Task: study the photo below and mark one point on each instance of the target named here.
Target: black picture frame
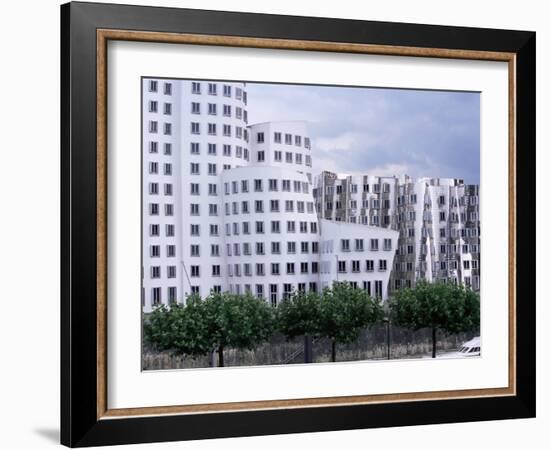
(80, 425)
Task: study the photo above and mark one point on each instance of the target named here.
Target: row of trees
(339, 313)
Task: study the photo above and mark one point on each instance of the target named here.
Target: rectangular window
(382, 264)
(170, 250)
(153, 86)
(167, 88)
(370, 265)
(212, 89)
(153, 106)
(260, 138)
(277, 137)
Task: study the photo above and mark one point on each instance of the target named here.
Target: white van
(471, 348)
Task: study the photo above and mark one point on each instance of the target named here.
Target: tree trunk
(220, 356)
(333, 355)
(434, 341)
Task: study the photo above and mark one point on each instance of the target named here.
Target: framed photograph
(275, 224)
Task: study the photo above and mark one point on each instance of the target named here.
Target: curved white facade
(271, 231)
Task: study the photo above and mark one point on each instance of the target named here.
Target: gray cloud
(421, 133)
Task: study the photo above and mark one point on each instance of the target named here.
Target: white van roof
(475, 342)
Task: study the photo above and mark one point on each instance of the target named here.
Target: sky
(379, 131)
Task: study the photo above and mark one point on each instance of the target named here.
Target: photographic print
(292, 224)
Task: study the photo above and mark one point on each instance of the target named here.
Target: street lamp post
(388, 343)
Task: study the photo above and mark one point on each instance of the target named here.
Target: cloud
(353, 130)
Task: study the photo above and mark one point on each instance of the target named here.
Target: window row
(275, 227)
(157, 298)
(226, 110)
(359, 244)
(259, 248)
(290, 158)
(273, 185)
(212, 89)
(354, 204)
(354, 188)
(227, 150)
(154, 209)
(154, 147)
(227, 130)
(154, 127)
(274, 205)
(289, 139)
(354, 266)
(154, 189)
(155, 272)
(443, 249)
(154, 86)
(154, 107)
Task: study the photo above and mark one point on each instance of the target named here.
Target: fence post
(308, 353)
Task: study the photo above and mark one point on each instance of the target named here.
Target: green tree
(180, 329)
(345, 311)
(237, 321)
(439, 306)
(299, 315)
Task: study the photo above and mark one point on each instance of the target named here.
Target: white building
(230, 207)
(437, 220)
(361, 255)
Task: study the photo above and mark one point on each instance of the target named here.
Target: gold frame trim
(103, 36)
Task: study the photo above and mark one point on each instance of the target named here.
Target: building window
(167, 169)
(212, 169)
(212, 129)
(275, 269)
(355, 266)
(259, 227)
(291, 247)
(261, 156)
(195, 128)
(170, 230)
(345, 245)
(277, 137)
(290, 268)
(387, 244)
(272, 294)
(153, 106)
(153, 86)
(171, 272)
(227, 130)
(168, 209)
(288, 139)
(153, 126)
(153, 209)
(275, 226)
(370, 265)
(290, 226)
(155, 296)
(167, 88)
(260, 271)
(258, 186)
(274, 205)
(195, 250)
(260, 138)
(278, 156)
(359, 245)
(288, 157)
(382, 265)
(170, 250)
(378, 288)
(341, 266)
(194, 209)
(374, 244)
(304, 247)
(195, 229)
(212, 89)
(154, 230)
(168, 129)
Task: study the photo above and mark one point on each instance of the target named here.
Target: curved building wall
(282, 144)
(271, 232)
